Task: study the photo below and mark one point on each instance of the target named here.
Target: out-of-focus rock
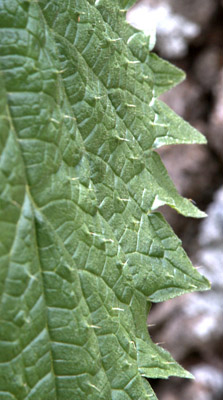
(199, 11)
(210, 253)
(212, 228)
(208, 385)
(206, 68)
(186, 100)
(194, 324)
(187, 167)
(176, 22)
(194, 169)
(215, 133)
(173, 30)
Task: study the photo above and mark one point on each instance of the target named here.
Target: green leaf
(83, 252)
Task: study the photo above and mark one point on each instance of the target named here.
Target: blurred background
(190, 35)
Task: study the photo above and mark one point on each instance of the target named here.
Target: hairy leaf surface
(83, 251)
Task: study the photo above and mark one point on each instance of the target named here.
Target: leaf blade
(77, 112)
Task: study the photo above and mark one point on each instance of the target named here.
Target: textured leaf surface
(83, 251)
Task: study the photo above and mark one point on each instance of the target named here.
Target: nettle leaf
(83, 250)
